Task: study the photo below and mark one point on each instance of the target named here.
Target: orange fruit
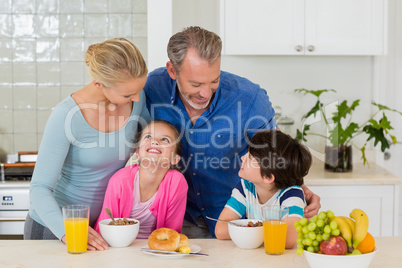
(367, 245)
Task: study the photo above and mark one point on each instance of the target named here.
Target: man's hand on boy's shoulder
(313, 203)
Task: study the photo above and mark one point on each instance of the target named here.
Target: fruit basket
(327, 240)
(339, 261)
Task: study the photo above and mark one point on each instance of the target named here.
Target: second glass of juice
(275, 226)
(76, 221)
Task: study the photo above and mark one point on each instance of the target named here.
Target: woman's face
(158, 145)
(125, 92)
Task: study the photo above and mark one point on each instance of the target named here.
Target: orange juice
(274, 236)
(76, 234)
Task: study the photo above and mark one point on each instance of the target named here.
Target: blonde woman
(87, 138)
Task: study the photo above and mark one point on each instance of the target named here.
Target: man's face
(198, 80)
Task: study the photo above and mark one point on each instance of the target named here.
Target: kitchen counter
(35, 253)
(361, 175)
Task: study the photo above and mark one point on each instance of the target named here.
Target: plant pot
(338, 159)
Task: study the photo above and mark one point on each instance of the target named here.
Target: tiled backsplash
(42, 48)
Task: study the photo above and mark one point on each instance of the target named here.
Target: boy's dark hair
(179, 144)
(280, 155)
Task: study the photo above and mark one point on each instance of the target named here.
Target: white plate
(194, 249)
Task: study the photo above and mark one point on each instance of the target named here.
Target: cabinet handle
(299, 48)
(310, 48)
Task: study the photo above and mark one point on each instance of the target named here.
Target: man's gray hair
(206, 43)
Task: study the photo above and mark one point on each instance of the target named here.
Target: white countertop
(52, 253)
(361, 175)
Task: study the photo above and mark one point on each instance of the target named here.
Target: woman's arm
(52, 154)
(221, 228)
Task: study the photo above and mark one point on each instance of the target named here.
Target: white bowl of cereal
(247, 236)
(121, 235)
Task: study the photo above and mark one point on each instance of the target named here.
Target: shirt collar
(173, 93)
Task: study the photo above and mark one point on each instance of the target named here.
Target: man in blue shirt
(216, 113)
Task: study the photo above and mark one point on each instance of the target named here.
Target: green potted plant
(341, 130)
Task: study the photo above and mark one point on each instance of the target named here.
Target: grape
(296, 223)
(318, 238)
(300, 235)
(312, 235)
(330, 214)
(335, 232)
(322, 215)
(312, 232)
(299, 251)
(311, 226)
(327, 229)
(314, 218)
(303, 221)
(325, 236)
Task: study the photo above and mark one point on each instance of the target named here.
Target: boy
(272, 172)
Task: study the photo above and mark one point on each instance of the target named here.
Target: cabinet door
(345, 27)
(255, 27)
(377, 201)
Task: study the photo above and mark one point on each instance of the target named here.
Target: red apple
(335, 245)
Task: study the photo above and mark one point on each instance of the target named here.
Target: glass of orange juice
(275, 226)
(76, 221)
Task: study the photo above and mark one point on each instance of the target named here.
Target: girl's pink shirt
(169, 205)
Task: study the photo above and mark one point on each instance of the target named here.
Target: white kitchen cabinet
(372, 189)
(304, 27)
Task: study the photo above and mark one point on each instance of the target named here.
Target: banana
(351, 224)
(345, 230)
(362, 223)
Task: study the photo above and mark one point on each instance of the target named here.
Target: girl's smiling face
(158, 145)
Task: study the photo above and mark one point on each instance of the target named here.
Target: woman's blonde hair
(115, 60)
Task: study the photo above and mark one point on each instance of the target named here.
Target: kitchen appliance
(15, 179)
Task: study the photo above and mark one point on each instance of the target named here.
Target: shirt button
(194, 174)
(191, 132)
(198, 193)
(219, 136)
(202, 208)
(191, 154)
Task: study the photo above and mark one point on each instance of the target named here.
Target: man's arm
(313, 203)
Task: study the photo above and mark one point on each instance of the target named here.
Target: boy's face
(250, 169)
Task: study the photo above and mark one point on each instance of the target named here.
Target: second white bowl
(246, 237)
